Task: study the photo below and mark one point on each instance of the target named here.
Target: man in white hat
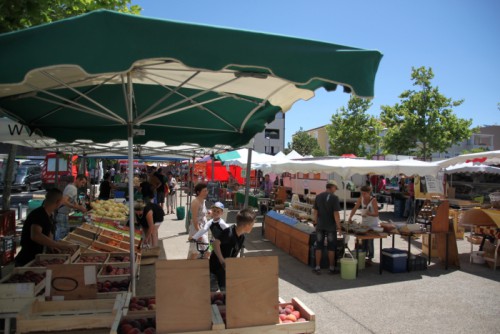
(327, 222)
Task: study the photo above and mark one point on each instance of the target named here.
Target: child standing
(216, 224)
(229, 243)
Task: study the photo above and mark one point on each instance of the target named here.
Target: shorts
(331, 237)
(160, 197)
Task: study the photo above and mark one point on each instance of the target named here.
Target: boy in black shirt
(229, 243)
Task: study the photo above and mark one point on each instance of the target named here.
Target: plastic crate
(418, 262)
(394, 260)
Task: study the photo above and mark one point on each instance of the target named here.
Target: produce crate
(53, 316)
(7, 249)
(92, 228)
(394, 260)
(7, 222)
(92, 257)
(247, 286)
(103, 247)
(139, 307)
(123, 245)
(78, 239)
(124, 266)
(75, 250)
(179, 283)
(135, 320)
(85, 233)
(120, 236)
(14, 295)
(43, 260)
(114, 285)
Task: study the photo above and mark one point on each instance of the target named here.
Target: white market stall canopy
(469, 167)
(486, 158)
(349, 167)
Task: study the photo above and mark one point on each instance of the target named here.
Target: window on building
(272, 133)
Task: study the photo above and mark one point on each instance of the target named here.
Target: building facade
(272, 139)
(321, 135)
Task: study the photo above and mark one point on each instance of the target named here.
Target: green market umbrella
(105, 76)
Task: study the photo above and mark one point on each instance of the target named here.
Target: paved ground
(458, 300)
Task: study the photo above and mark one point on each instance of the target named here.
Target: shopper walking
(172, 193)
(198, 219)
(327, 222)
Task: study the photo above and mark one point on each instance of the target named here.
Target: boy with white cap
(216, 224)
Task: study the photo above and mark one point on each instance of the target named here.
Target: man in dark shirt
(229, 243)
(327, 222)
(38, 229)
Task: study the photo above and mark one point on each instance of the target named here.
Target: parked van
(68, 169)
(27, 177)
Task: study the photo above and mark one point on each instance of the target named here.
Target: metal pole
(247, 181)
(131, 182)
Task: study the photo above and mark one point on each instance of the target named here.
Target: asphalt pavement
(457, 300)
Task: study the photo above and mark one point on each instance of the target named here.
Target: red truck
(67, 169)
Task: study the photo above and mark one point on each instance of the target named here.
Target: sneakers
(332, 271)
(317, 271)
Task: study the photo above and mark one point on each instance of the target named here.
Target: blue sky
(458, 39)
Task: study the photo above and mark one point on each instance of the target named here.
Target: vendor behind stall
(38, 229)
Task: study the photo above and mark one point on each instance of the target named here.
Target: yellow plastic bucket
(348, 267)
(361, 259)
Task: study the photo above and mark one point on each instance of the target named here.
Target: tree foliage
(20, 14)
(352, 130)
(424, 121)
(304, 143)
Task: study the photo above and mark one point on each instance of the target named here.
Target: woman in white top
(198, 219)
(369, 214)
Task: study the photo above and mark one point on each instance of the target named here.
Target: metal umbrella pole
(247, 180)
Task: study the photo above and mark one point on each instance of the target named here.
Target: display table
(369, 236)
(254, 200)
(288, 234)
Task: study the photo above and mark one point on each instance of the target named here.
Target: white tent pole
(247, 180)
(131, 184)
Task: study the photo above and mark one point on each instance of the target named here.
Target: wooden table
(370, 236)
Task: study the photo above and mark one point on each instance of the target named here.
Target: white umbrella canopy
(294, 155)
(469, 167)
(486, 158)
(349, 167)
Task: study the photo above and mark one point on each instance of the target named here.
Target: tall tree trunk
(9, 173)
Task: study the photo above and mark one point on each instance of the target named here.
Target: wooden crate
(53, 316)
(112, 294)
(251, 295)
(120, 244)
(14, 296)
(178, 284)
(299, 250)
(103, 247)
(136, 313)
(96, 258)
(120, 236)
(270, 234)
(283, 241)
(78, 239)
(425, 245)
(40, 259)
(71, 282)
(85, 233)
(92, 228)
(125, 265)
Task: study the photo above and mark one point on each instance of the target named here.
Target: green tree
(424, 121)
(20, 14)
(304, 143)
(352, 130)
